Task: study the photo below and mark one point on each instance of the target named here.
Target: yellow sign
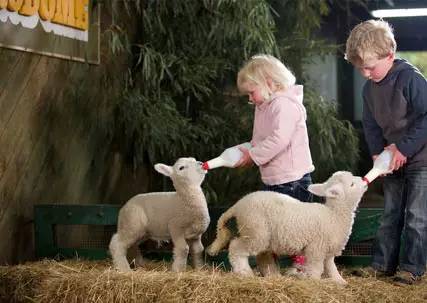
(31, 25)
(71, 13)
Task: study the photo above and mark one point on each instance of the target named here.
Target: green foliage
(186, 45)
(419, 59)
(179, 98)
(333, 142)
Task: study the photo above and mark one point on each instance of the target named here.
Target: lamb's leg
(180, 253)
(238, 255)
(267, 265)
(314, 262)
(196, 250)
(118, 249)
(134, 252)
(130, 230)
(332, 271)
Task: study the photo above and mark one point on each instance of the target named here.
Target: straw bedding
(90, 281)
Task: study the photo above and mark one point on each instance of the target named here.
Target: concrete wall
(322, 75)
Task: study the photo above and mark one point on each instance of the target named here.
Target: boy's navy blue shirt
(395, 111)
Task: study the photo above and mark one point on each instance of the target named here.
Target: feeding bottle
(381, 166)
(228, 158)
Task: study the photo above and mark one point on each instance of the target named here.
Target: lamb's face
(189, 171)
(186, 171)
(354, 187)
(343, 186)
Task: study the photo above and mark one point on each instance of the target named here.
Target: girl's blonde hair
(372, 39)
(262, 68)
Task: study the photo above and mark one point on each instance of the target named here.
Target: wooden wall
(57, 141)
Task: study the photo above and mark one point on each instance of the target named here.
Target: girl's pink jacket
(280, 139)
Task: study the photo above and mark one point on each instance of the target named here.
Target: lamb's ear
(164, 169)
(317, 189)
(335, 191)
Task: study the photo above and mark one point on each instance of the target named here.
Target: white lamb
(262, 223)
(180, 216)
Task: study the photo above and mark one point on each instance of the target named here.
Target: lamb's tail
(224, 232)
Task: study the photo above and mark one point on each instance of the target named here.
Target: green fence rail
(49, 217)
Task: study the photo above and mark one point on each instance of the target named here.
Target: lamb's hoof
(245, 273)
(198, 266)
(340, 281)
(178, 268)
(124, 269)
(274, 274)
(211, 251)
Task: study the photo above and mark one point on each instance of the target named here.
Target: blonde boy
(395, 118)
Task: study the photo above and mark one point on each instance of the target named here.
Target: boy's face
(375, 69)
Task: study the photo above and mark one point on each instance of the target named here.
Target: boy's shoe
(404, 278)
(367, 272)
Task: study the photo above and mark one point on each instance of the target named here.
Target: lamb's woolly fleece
(180, 216)
(272, 222)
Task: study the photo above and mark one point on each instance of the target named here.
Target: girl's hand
(398, 159)
(246, 159)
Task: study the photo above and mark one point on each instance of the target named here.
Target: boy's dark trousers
(405, 213)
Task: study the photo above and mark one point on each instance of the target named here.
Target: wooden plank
(17, 139)
(19, 81)
(8, 62)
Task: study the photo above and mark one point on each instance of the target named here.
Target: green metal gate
(67, 231)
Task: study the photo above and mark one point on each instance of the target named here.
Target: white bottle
(381, 166)
(228, 158)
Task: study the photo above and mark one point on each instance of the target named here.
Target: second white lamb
(264, 222)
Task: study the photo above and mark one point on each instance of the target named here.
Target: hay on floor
(90, 281)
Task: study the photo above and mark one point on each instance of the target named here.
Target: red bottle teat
(205, 165)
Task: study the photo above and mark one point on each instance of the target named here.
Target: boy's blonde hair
(261, 68)
(372, 39)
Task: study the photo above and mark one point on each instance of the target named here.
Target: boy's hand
(398, 159)
(246, 159)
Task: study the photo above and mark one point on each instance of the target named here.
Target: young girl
(280, 140)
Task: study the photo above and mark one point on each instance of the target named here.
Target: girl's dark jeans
(296, 189)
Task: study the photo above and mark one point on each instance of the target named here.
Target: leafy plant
(419, 59)
(333, 142)
(179, 98)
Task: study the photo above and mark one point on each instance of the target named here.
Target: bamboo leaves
(179, 98)
(333, 142)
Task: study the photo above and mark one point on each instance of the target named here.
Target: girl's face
(255, 93)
